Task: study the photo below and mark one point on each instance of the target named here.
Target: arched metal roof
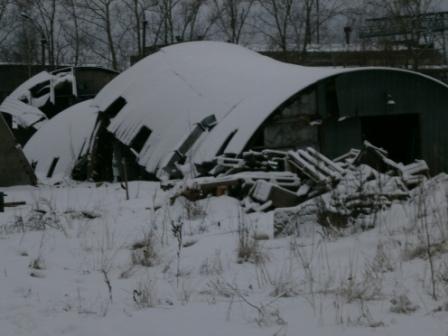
(177, 87)
(180, 85)
(24, 108)
(63, 138)
(174, 89)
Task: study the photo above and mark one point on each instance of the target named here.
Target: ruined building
(179, 108)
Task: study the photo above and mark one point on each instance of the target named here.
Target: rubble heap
(358, 183)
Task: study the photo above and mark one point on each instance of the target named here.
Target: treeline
(108, 32)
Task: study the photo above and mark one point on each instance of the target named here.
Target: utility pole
(445, 56)
(145, 25)
(43, 40)
(317, 22)
(43, 43)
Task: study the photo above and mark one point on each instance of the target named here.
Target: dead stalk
(422, 214)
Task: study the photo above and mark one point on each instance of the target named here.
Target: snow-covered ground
(79, 259)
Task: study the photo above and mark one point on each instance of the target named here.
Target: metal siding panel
(337, 138)
(321, 99)
(434, 124)
(366, 93)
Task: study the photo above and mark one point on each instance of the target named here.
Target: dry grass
(248, 248)
(402, 305)
(145, 294)
(144, 252)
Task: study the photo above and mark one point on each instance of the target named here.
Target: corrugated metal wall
(381, 93)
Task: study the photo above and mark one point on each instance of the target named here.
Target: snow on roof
(64, 137)
(24, 107)
(25, 114)
(174, 89)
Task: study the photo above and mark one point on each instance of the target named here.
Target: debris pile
(358, 183)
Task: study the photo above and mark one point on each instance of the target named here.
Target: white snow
(27, 113)
(66, 136)
(80, 259)
(52, 281)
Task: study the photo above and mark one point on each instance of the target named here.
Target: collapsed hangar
(28, 105)
(190, 102)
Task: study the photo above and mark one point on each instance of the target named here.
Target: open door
(398, 134)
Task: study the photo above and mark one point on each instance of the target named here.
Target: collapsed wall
(14, 167)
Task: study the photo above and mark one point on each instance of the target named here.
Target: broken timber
(278, 197)
(4, 204)
(232, 183)
(357, 183)
(314, 165)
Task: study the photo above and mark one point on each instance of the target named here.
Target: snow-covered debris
(378, 159)
(273, 194)
(236, 185)
(315, 166)
(359, 183)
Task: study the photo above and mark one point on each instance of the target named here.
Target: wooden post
(2, 201)
(125, 177)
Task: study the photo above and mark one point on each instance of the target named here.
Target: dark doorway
(398, 134)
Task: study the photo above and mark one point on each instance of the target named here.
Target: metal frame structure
(402, 25)
(428, 23)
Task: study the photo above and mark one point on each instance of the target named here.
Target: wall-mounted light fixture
(390, 100)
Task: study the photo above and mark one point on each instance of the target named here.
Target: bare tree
(139, 16)
(42, 15)
(277, 21)
(108, 31)
(407, 17)
(47, 10)
(137, 10)
(99, 14)
(188, 18)
(23, 47)
(316, 15)
(308, 6)
(174, 21)
(166, 10)
(231, 17)
(295, 24)
(7, 22)
(71, 27)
